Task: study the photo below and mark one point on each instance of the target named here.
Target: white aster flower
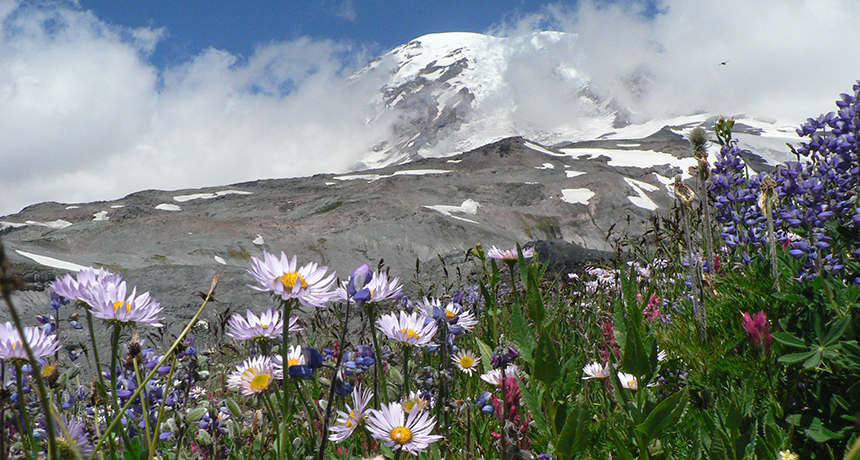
(595, 370)
(253, 376)
(415, 401)
(509, 255)
(309, 284)
(494, 377)
(467, 361)
(399, 430)
(380, 287)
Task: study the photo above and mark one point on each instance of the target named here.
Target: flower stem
(406, 349)
(334, 377)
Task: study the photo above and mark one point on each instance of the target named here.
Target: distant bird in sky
(724, 62)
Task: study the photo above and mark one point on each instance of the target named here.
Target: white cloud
(785, 60)
(86, 116)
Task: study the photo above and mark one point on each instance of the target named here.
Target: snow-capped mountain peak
(452, 92)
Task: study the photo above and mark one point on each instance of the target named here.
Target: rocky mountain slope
(430, 210)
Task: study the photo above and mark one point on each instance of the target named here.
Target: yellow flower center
(449, 314)
(120, 303)
(349, 419)
(292, 362)
(47, 370)
(260, 382)
(410, 334)
(290, 279)
(408, 405)
(401, 435)
(264, 326)
(466, 362)
(67, 448)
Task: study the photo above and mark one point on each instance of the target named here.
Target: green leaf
(789, 339)
(575, 437)
(546, 367)
(486, 355)
(818, 433)
(489, 300)
(788, 297)
(665, 415)
(793, 358)
(636, 359)
(813, 360)
(536, 308)
(522, 334)
(535, 410)
(745, 444)
(835, 332)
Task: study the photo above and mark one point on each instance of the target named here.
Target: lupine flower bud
(359, 278)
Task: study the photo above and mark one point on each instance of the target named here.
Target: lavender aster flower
(111, 304)
(347, 422)
(42, 343)
(509, 255)
(72, 440)
(409, 329)
(83, 287)
(309, 284)
(268, 325)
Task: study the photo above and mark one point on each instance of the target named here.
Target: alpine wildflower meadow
(728, 331)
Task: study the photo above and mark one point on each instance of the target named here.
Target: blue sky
(239, 27)
(103, 98)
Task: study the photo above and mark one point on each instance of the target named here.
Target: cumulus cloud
(783, 60)
(86, 116)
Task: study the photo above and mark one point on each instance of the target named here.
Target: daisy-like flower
(399, 430)
(41, 342)
(415, 401)
(379, 288)
(459, 318)
(628, 381)
(348, 422)
(295, 357)
(309, 284)
(111, 304)
(83, 287)
(253, 376)
(787, 455)
(494, 377)
(406, 328)
(269, 325)
(509, 255)
(196, 392)
(595, 370)
(467, 361)
(72, 440)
